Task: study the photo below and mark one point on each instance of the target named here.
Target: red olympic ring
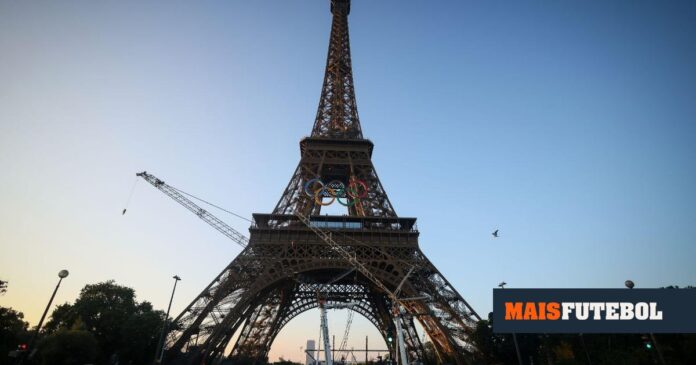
(353, 189)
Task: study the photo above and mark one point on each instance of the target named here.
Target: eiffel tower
(286, 264)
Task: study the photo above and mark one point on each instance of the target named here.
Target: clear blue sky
(570, 126)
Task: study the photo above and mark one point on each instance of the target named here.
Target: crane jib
(203, 214)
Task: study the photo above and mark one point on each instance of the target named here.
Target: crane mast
(323, 306)
(325, 333)
(203, 214)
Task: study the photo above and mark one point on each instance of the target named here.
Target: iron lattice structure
(285, 265)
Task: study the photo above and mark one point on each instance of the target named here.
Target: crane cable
(211, 204)
(190, 195)
(130, 196)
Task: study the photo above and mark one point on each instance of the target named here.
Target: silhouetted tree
(140, 333)
(63, 316)
(13, 331)
(242, 360)
(499, 348)
(282, 361)
(68, 347)
(120, 325)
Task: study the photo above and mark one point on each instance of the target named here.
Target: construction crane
(323, 306)
(324, 325)
(397, 310)
(346, 333)
(243, 241)
(349, 322)
(203, 214)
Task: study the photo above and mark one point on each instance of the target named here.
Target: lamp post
(159, 351)
(630, 284)
(514, 335)
(62, 275)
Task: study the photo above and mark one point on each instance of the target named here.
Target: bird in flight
(495, 233)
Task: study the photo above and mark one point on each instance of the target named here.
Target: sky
(569, 126)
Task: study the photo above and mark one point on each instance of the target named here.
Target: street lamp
(514, 335)
(630, 284)
(160, 344)
(62, 274)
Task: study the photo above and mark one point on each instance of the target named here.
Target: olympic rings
(336, 190)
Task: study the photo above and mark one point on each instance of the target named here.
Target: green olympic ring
(336, 190)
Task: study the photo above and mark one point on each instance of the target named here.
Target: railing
(337, 222)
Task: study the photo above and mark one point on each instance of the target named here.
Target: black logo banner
(594, 310)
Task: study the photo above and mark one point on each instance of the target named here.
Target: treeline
(105, 325)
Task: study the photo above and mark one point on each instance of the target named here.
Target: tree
(13, 331)
(242, 360)
(120, 325)
(494, 348)
(64, 316)
(282, 361)
(499, 348)
(104, 308)
(3, 287)
(140, 334)
(68, 347)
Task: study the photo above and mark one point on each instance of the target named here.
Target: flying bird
(495, 233)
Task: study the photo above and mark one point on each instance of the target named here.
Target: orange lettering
(513, 310)
(542, 310)
(553, 310)
(530, 311)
